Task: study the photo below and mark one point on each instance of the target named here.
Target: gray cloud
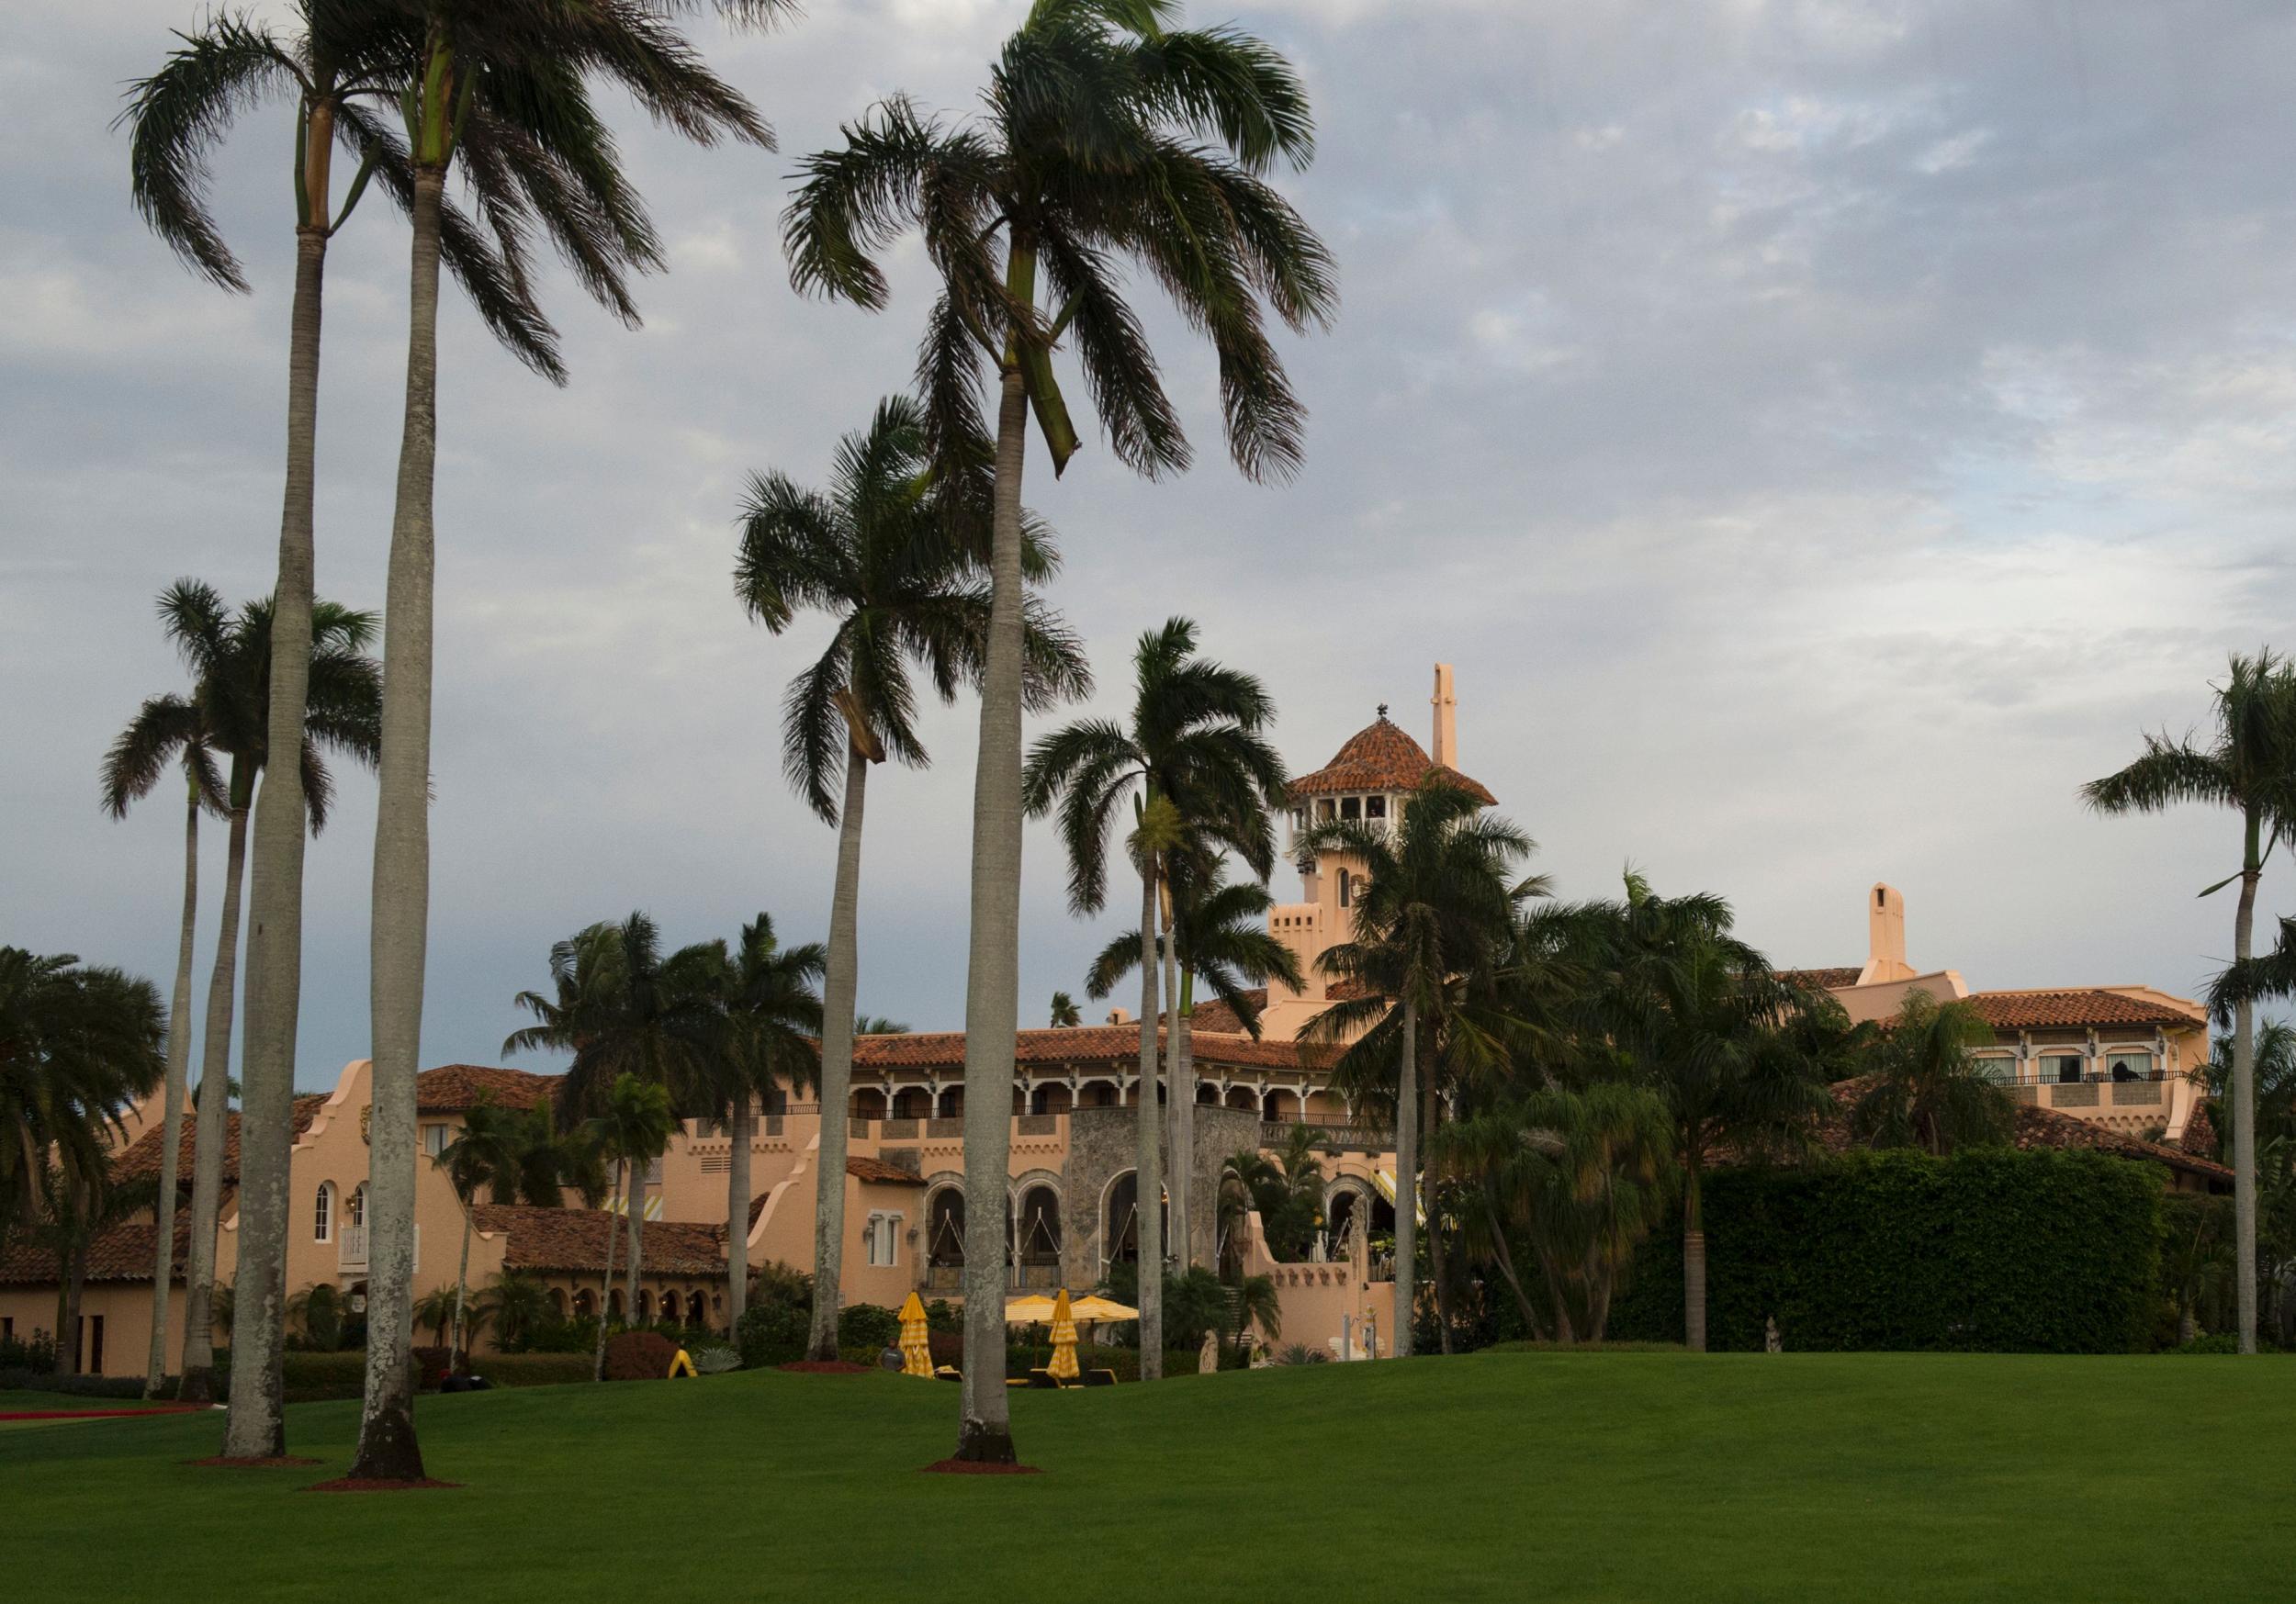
(1821, 433)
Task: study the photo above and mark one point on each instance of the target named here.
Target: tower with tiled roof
(1368, 779)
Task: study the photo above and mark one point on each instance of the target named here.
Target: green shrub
(771, 1334)
(36, 1352)
(864, 1325)
(1991, 1249)
(25, 1379)
(535, 1369)
(940, 1315)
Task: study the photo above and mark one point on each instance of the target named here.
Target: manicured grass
(1503, 1477)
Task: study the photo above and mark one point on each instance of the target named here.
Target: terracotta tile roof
(575, 1239)
(451, 1088)
(943, 1049)
(122, 1253)
(1220, 1019)
(879, 1172)
(1381, 757)
(2075, 1007)
(2037, 1128)
(142, 1161)
(1833, 979)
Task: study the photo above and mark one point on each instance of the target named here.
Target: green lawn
(1505, 1476)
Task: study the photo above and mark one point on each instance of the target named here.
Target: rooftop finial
(1383, 710)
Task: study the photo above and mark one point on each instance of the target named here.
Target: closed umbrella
(916, 1348)
(1064, 1365)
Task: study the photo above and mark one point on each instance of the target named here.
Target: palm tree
(2250, 767)
(1438, 903)
(1108, 138)
(1286, 1191)
(632, 1130)
(78, 1047)
(1195, 761)
(486, 1154)
(892, 553)
(624, 1009)
(516, 1305)
(1218, 934)
(168, 730)
(505, 90)
(332, 63)
(1931, 1093)
(1065, 1013)
(878, 1025)
(227, 715)
(773, 1017)
(1676, 1003)
(2275, 1062)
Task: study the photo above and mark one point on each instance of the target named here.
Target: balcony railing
(1332, 1135)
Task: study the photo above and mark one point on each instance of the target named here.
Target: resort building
(2117, 1057)
(2132, 1058)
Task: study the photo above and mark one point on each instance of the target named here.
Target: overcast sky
(1822, 433)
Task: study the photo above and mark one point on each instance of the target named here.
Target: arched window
(358, 1207)
(1346, 889)
(324, 1221)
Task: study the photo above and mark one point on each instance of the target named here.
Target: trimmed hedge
(81, 1386)
(639, 1356)
(1990, 1250)
(532, 1369)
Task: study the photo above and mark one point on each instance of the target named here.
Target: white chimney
(1446, 751)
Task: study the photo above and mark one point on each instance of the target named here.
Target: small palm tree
(1194, 762)
(1931, 1093)
(773, 1017)
(1218, 934)
(623, 1009)
(1438, 903)
(516, 1305)
(1109, 138)
(878, 1025)
(1677, 1003)
(487, 1155)
(892, 553)
(2250, 766)
(2275, 1067)
(632, 1132)
(1065, 1013)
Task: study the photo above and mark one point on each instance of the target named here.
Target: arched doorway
(1119, 1234)
(669, 1306)
(1052, 1097)
(1039, 1236)
(1099, 1094)
(869, 1103)
(944, 1228)
(1242, 1097)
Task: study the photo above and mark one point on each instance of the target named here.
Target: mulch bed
(282, 1462)
(979, 1467)
(826, 1367)
(376, 1485)
(101, 1414)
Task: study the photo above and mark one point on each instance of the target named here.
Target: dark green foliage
(940, 1315)
(40, 1378)
(37, 1352)
(865, 1325)
(771, 1333)
(535, 1369)
(639, 1356)
(1990, 1250)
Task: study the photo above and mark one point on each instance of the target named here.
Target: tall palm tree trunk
(1406, 1185)
(275, 927)
(840, 985)
(1694, 1261)
(387, 1449)
(605, 1299)
(1430, 1113)
(68, 1354)
(635, 1202)
(2245, 1096)
(991, 993)
(1147, 1179)
(172, 1119)
(1181, 1095)
(737, 1214)
(213, 1113)
(1184, 1156)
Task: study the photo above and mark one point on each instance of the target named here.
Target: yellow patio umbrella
(1097, 1307)
(1064, 1365)
(916, 1348)
(1032, 1310)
